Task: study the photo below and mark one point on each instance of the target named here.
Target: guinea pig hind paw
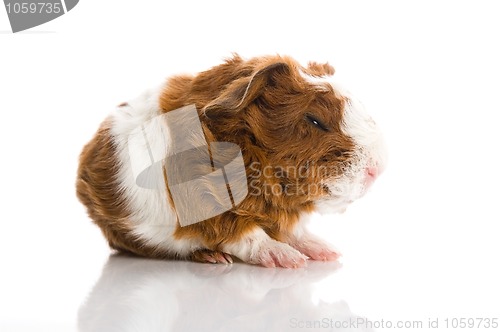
(210, 256)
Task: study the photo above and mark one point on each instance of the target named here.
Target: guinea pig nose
(371, 174)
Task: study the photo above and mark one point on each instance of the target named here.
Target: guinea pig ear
(243, 91)
(320, 69)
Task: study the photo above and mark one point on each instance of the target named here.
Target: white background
(424, 243)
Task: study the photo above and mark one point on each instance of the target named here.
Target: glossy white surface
(143, 295)
(422, 245)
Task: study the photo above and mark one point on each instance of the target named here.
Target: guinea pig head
(305, 140)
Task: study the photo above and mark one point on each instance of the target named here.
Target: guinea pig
(305, 144)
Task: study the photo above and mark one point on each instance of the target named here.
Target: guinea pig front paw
(210, 256)
(277, 254)
(317, 249)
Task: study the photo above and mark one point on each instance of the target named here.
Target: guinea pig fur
(307, 145)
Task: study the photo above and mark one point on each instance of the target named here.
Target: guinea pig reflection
(135, 294)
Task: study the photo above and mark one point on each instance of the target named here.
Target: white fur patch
(154, 220)
(248, 246)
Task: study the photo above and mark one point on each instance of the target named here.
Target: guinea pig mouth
(331, 196)
(326, 189)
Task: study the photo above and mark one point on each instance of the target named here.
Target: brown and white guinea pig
(307, 145)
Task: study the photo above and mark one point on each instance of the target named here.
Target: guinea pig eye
(315, 122)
